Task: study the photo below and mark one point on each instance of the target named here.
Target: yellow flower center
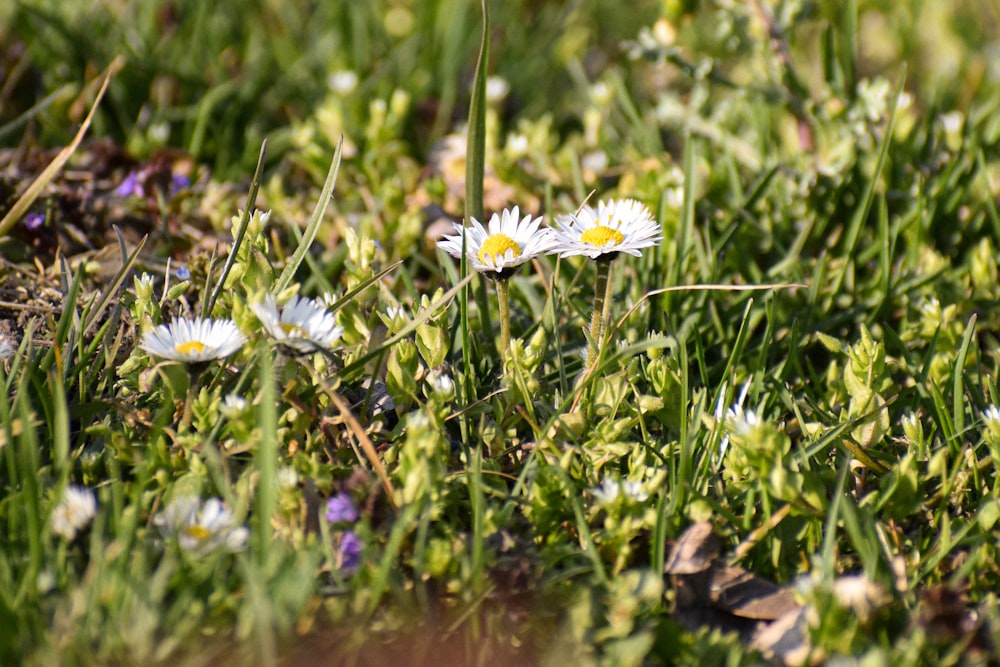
(600, 235)
(497, 246)
(293, 330)
(190, 347)
(199, 533)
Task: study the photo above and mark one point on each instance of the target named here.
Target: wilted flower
(303, 325)
(622, 225)
(194, 340)
(76, 509)
(201, 527)
(340, 509)
(504, 244)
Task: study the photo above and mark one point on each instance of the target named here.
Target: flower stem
(503, 296)
(193, 373)
(602, 305)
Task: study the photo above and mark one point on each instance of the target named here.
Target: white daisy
(194, 340)
(620, 225)
(201, 527)
(76, 509)
(506, 243)
(301, 324)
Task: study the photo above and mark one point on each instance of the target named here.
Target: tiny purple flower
(130, 186)
(34, 220)
(341, 509)
(349, 550)
(182, 273)
(179, 182)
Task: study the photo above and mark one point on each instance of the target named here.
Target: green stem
(503, 296)
(601, 304)
(194, 373)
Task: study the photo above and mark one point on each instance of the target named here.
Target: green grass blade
(209, 304)
(861, 213)
(314, 221)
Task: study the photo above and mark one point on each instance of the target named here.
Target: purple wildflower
(341, 509)
(179, 182)
(182, 273)
(130, 186)
(34, 220)
(349, 550)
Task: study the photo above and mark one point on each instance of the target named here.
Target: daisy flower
(506, 243)
(620, 225)
(301, 324)
(193, 341)
(76, 509)
(201, 527)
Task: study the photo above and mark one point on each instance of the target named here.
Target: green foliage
(836, 425)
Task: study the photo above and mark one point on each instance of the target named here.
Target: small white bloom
(991, 418)
(496, 89)
(441, 384)
(610, 489)
(602, 94)
(288, 478)
(342, 82)
(596, 161)
(233, 406)
(301, 324)
(741, 422)
(622, 225)
(76, 509)
(734, 413)
(201, 527)
(518, 145)
(507, 242)
(193, 340)
(953, 122)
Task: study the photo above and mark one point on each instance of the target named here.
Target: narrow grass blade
(475, 169)
(958, 395)
(477, 503)
(114, 287)
(207, 305)
(861, 213)
(266, 454)
(285, 279)
(29, 196)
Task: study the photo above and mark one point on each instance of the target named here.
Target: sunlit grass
(806, 359)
